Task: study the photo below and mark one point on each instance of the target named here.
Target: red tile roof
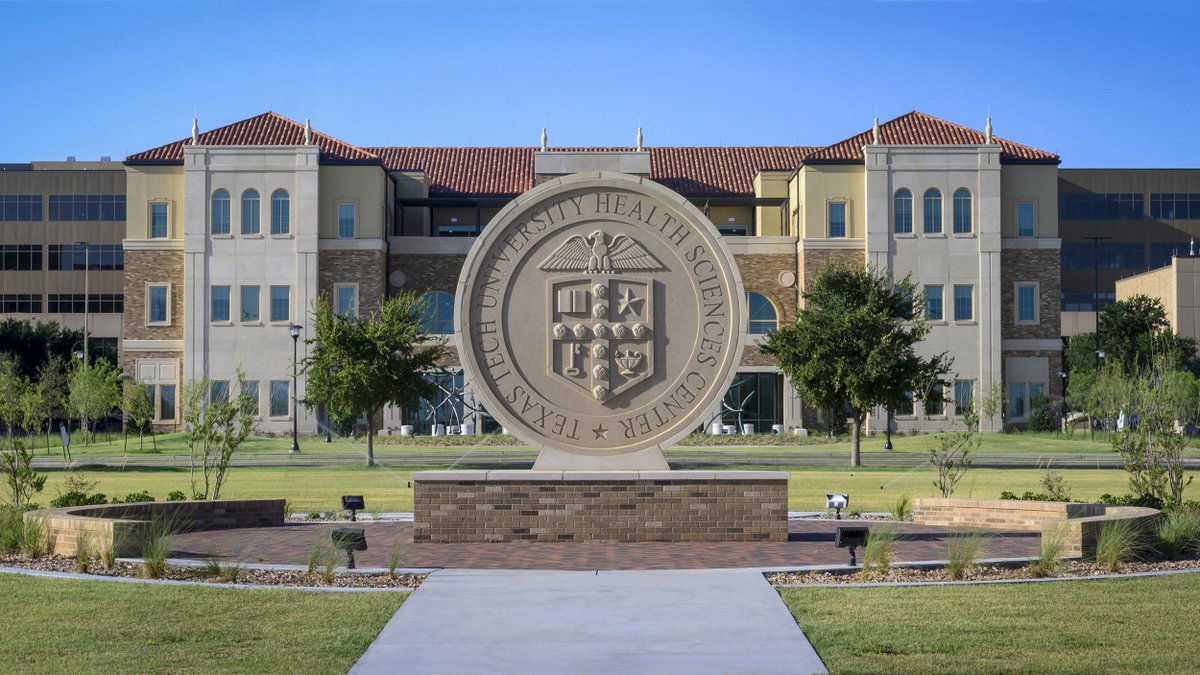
(509, 171)
(917, 128)
(266, 129)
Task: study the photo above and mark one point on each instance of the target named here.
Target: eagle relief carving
(596, 254)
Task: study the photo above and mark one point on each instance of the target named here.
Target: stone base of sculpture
(618, 506)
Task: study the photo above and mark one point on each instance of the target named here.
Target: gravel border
(1101, 577)
(209, 584)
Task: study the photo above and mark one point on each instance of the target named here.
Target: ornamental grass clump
(962, 555)
(878, 554)
(83, 552)
(12, 526)
(1054, 544)
(903, 508)
(156, 546)
(1118, 542)
(1179, 534)
(395, 558)
(35, 537)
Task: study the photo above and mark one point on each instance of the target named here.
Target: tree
(950, 452)
(20, 478)
(138, 409)
(11, 387)
(32, 403)
(95, 392)
(357, 365)
(215, 431)
(55, 383)
(34, 343)
(853, 346)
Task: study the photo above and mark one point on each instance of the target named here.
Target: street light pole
(1096, 291)
(295, 331)
(87, 305)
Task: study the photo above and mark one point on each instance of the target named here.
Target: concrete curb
(879, 584)
(209, 584)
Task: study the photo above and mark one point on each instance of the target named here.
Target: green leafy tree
(33, 343)
(357, 365)
(20, 478)
(215, 431)
(853, 346)
(55, 382)
(138, 409)
(32, 402)
(12, 385)
(95, 392)
(950, 452)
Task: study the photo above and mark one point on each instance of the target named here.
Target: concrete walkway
(530, 622)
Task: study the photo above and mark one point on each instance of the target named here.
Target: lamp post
(295, 331)
(1096, 291)
(87, 305)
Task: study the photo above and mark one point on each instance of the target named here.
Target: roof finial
(307, 131)
(195, 130)
(987, 132)
(875, 133)
(639, 139)
(543, 139)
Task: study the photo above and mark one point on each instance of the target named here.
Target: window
(935, 403)
(933, 211)
(281, 303)
(1016, 400)
(250, 212)
(29, 208)
(20, 257)
(158, 306)
(279, 398)
(964, 302)
(1025, 219)
(249, 303)
(1114, 206)
(964, 395)
(438, 318)
(220, 303)
(80, 257)
(250, 391)
(220, 212)
(1161, 254)
(166, 402)
(218, 391)
(1086, 302)
(1027, 303)
(905, 407)
(837, 219)
(97, 303)
(345, 221)
(933, 302)
(763, 318)
(21, 303)
(347, 299)
(902, 206)
(1176, 206)
(280, 212)
(962, 211)
(102, 208)
(1107, 255)
(1036, 388)
(760, 398)
(158, 220)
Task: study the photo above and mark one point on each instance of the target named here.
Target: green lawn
(68, 626)
(386, 489)
(1129, 625)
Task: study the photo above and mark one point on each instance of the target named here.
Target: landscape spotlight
(837, 502)
(353, 503)
(851, 538)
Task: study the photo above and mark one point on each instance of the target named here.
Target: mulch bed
(1068, 569)
(242, 575)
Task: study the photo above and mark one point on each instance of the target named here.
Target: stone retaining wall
(626, 506)
(123, 526)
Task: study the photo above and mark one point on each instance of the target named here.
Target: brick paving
(810, 542)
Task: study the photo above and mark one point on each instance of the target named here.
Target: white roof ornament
(875, 133)
(543, 139)
(307, 131)
(639, 139)
(987, 133)
(195, 131)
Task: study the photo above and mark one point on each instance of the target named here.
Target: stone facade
(480, 506)
(760, 272)
(812, 260)
(145, 267)
(364, 268)
(1031, 265)
(752, 356)
(429, 272)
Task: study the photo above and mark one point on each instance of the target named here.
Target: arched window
(250, 212)
(933, 211)
(220, 212)
(280, 212)
(902, 205)
(962, 211)
(763, 318)
(438, 318)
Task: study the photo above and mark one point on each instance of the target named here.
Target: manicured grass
(1129, 625)
(68, 626)
(387, 489)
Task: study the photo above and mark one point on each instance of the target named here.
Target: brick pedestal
(627, 506)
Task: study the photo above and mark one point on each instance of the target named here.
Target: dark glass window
(1175, 206)
(763, 318)
(20, 257)
(438, 318)
(1107, 255)
(109, 208)
(760, 398)
(21, 303)
(1107, 206)
(902, 205)
(1086, 302)
(72, 303)
(1161, 253)
(20, 207)
(93, 256)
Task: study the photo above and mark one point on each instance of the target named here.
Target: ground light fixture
(295, 331)
(353, 503)
(837, 502)
(851, 538)
(349, 539)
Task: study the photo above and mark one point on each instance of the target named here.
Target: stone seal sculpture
(600, 319)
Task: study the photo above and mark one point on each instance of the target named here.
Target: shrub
(1179, 533)
(76, 498)
(12, 526)
(134, 498)
(1148, 501)
(227, 572)
(176, 496)
(1030, 496)
(1041, 416)
(903, 508)
(1117, 542)
(962, 554)
(1055, 485)
(1054, 543)
(877, 556)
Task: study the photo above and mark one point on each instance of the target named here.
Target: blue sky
(1100, 83)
